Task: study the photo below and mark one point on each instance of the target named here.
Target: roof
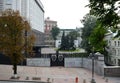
(37, 31)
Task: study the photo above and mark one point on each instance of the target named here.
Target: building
(49, 24)
(113, 49)
(39, 42)
(67, 31)
(31, 10)
(39, 37)
(80, 30)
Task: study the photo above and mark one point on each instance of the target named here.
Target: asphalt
(54, 75)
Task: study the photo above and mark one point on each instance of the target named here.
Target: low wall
(112, 71)
(98, 65)
(85, 63)
(73, 62)
(45, 62)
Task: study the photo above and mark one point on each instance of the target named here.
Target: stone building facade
(31, 10)
(113, 49)
(49, 24)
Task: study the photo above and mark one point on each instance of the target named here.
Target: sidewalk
(54, 74)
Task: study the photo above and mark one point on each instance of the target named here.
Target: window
(115, 43)
(113, 51)
(109, 42)
(8, 1)
(118, 43)
(114, 61)
(118, 52)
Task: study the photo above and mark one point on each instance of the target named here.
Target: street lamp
(93, 56)
(26, 43)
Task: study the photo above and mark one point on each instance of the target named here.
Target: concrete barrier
(73, 62)
(113, 71)
(99, 66)
(45, 62)
(86, 63)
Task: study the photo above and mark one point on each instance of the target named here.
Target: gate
(57, 59)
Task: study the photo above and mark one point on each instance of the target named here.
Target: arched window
(113, 51)
(109, 42)
(118, 43)
(115, 43)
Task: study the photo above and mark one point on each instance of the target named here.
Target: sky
(67, 13)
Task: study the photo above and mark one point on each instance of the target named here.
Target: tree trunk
(15, 65)
(15, 69)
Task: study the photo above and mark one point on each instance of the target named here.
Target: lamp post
(93, 56)
(26, 43)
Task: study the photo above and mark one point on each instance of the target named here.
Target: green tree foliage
(106, 11)
(63, 42)
(67, 42)
(89, 23)
(55, 31)
(12, 38)
(71, 42)
(97, 38)
(74, 34)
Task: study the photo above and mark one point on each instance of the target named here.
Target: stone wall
(112, 71)
(85, 63)
(73, 62)
(98, 65)
(45, 62)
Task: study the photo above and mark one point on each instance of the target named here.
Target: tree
(12, 38)
(106, 11)
(89, 22)
(97, 38)
(55, 31)
(67, 41)
(71, 37)
(74, 34)
(71, 42)
(63, 41)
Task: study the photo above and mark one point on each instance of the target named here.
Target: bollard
(48, 80)
(52, 80)
(27, 78)
(76, 80)
(106, 80)
(84, 80)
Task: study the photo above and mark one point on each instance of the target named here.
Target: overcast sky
(67, 13)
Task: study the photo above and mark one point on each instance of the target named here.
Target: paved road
(54, 74)
(6, 81)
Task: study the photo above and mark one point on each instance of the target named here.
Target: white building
(58, 43)
(113, 49)
(67, 31)
(32, 10)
